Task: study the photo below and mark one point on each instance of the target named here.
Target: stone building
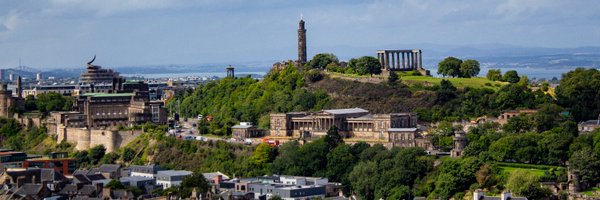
(9, 104)
(246, 130)
(589, 125)
(460, 143)
(108, 110)
(507, 114)
(355, 124)
(94, 75)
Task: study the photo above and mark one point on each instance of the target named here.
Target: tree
(367, 65)
(511, 76)
(52, 101)
(96, 153)
(450, 67)
(115, 185)
(128, 154)
(446, 92)
(275, 197)
(364, 178)
(526, 184)
(400, 192)
(196, 180)
(321, 60)
(393, 79)
(333, 137)
(30, 103)
(469, 68)
(263, 155)
(579, 92)
(494, 75)
(587, 162)
(340, 162)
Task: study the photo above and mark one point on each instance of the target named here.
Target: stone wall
(84, 139)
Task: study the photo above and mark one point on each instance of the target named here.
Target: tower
(230, 72)
(19, 87)
(460, 142)
(301, 43)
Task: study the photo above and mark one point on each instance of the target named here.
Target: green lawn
(535, 169)
(476, 82)
(590, 191)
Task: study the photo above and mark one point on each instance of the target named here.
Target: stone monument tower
(301, 43)
(230, 72)
(460, 142)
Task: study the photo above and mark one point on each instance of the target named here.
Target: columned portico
(400, 60)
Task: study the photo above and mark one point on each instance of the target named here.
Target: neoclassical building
(355, 124)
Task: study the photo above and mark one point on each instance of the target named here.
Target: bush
(314, 76)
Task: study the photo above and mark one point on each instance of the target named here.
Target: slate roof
(28, 189)
(109, 167)
(149, 169)
(212, 175)
(51, 175)
(346, 111)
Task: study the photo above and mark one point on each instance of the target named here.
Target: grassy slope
(476, 82)
(535, 169)
(590, 191)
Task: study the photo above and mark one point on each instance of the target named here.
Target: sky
(48, 34)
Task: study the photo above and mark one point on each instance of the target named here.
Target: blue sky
(67, 33)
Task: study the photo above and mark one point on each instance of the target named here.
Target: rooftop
(346, 111)
(174, 173)
(108, 94)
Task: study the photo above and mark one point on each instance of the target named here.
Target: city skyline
(66, 33)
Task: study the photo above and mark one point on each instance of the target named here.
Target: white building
(148, 171)
(170, 178)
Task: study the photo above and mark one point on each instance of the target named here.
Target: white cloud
(110, 7)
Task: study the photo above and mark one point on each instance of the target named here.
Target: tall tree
(511, 76)
(469, 68)
(450, 67)
(321, 60)
(579, 92)
(494, 75)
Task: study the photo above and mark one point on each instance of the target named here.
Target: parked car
(188, 137)
(200, 138)
(248, 141)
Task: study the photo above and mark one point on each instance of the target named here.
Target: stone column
(420, 59)
(412, 60)
(403, 61)
(398, 60)
(393, 60)
(387, 60)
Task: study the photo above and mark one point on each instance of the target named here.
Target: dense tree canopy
(321, 60)
(229, 101)
(494, 75)
(579, 91)
(469, 68)
(365, 65)
(450, 67)
(511, 76)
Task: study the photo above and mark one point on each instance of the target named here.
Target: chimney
(218, 179)
(99, 187)
(20, 181)
(506, 195)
